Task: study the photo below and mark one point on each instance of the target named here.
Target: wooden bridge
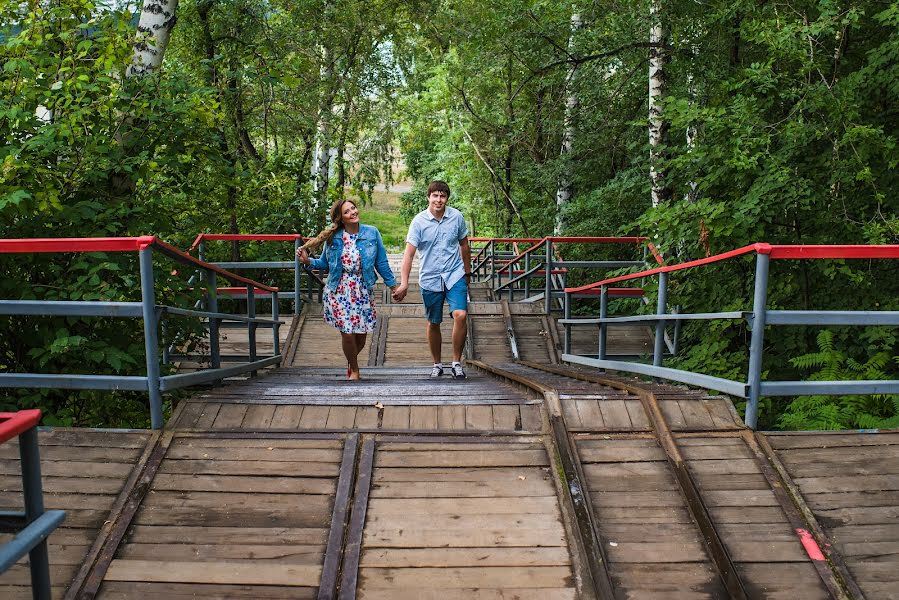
(532, 479)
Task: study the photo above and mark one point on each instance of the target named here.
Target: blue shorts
(456, 297)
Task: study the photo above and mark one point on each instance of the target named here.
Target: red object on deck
(13, 424)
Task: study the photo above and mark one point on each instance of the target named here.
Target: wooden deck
(528, 480)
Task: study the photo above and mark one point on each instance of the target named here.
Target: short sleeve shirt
(440, 260)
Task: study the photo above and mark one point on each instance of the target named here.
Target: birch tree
(322, 159)
(157, 19)
(658, 126)
(566, 185)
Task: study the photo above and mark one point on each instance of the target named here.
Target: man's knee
(460, 315)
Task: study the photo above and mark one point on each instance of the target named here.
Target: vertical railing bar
(603, 313)
(547, 269)
(151, 341)
(757, 343)
(38, 557)
(276, 341)
(661, 309)
(251, 326)
(297, 269)
(567, 342)
(527, 277)
(212, 300)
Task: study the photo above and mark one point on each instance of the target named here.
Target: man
(440, 235)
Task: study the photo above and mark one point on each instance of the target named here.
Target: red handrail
(775, 252)
(246, 237)
(13, 424)
(574, 240)
(124, 244)
(43, 245)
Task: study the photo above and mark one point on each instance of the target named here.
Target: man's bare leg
(435, 341)
(460, 332)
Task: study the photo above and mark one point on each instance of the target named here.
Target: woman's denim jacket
(372, 251)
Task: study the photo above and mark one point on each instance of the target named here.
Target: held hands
(303, 256)
(399, 292)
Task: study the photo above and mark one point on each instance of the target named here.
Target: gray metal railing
(758, 318)
(512, 272)
(33, 525)
(152, 315)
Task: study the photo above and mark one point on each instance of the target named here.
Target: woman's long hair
(326, 234)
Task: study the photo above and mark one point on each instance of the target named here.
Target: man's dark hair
(439, 186)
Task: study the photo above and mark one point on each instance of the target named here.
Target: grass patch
(384, 213)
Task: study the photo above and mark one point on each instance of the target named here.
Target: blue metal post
(492, 264)
(251, 326)
(548, 288)
(34, 507)
(757, 344)
(567, 325)
(213, 302)
(661, 308)
(603, 313)
(297, 269)
(151, 340)
(276, 342)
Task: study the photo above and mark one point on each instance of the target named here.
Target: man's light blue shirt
(440, 259)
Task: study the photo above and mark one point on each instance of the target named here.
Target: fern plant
(877, 411)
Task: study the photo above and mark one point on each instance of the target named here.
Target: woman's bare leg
(350, 350)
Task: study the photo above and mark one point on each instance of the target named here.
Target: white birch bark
(565, 190)
(322, 159)
(658, 57)
(157, 18)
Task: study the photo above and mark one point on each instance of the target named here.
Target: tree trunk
(658, 127)
(157, 18)
(565, 190)
(321, 163)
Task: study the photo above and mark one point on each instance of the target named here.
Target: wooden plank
(366, 418)
(208, 415)
(695, 414)
(531, 418)
(463, 557)
(235, 573)
(615, 414)
(230, 416)
(127, 590)
(260, 484)
(382, 508)
(452, 418)
(467, 577)
(396, 417)
(463, 458)
(341, 417)
(259, 416)
(423, 593)
(314, 417)
(505, 418)
(286, 417)
(590, 414)
(479, 418)
(353, 546)
(423, 418)
(339, 518)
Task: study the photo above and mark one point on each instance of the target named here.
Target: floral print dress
(350, 308)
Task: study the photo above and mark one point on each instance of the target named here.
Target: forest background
(762, 121)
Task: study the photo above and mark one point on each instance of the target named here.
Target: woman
(352, 253)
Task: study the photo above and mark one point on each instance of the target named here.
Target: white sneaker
(458, 372)
(436, 371)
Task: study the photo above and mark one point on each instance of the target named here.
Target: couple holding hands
(353, 252)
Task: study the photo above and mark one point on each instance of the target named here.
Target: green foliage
(879, 411)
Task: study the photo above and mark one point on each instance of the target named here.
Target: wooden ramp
(528, 480)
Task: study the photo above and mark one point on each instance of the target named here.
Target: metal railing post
(251, 326)
(757, 344)
(527, 277)
(38, 557)
(492, 264)
(567, 342)
(661, 308)
(603, 313)
(213, 302)
(297, 266)
(547, 268)
(276, 342)
(151, 340)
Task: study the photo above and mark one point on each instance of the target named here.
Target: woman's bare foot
(354, 376)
